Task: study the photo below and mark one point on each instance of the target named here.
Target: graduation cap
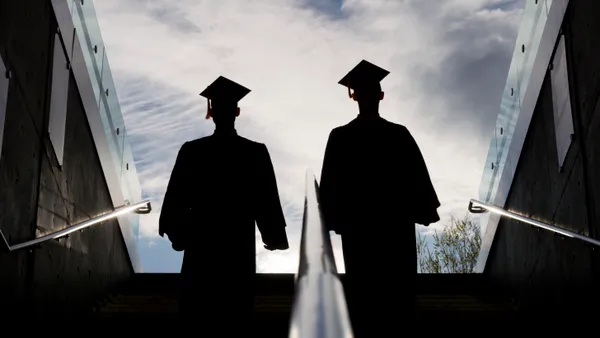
(223, 89)
(364, 74)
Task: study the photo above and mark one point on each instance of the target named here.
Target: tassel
(208, 109)
(349, 92)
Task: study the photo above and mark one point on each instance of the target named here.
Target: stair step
(456, 297)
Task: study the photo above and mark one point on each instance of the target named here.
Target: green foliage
(455, 249)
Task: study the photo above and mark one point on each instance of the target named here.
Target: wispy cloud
(448, 61)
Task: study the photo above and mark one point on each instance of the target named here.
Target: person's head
(370, 93)
(224, 110)
(363, 83)
(223, 96)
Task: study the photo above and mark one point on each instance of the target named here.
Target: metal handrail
(478, 207)
(143, 207)
(319, 309)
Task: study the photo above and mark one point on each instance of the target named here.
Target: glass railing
(492, 189)
(88, 32)
(130, 184)
(539, 29)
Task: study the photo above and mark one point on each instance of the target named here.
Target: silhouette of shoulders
(211, 139)
(200, 145)
(378, 124)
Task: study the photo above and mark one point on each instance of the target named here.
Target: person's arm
(269, 217)
(328, 187)
(172, 218)
(424, 197)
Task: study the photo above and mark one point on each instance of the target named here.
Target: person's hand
(276, 247)
(177, 243)
(429, 219)
(178, 247)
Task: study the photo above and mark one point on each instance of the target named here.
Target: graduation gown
(374, 187)
(220, 187)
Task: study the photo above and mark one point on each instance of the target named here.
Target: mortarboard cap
(223, 89)
(365, 73)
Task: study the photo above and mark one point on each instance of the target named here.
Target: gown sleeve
(425, 200)
(269, 217)
(173, 213)
(329, 185)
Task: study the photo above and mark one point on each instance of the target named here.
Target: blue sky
(448, 61)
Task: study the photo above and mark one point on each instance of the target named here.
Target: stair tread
(459, 296)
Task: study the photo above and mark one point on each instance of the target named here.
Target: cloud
(149, 225)
(448, 61)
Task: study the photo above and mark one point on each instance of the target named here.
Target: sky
(448, 61)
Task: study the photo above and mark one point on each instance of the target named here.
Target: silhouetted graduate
(374, 188)
(220, 187)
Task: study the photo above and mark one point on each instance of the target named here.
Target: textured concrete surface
(545, 269)
(24, 42)
(583, 26)
(82, 265)
(36, 196)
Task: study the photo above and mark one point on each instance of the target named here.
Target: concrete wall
(584, 28)
(543, 268)
(36, 196)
